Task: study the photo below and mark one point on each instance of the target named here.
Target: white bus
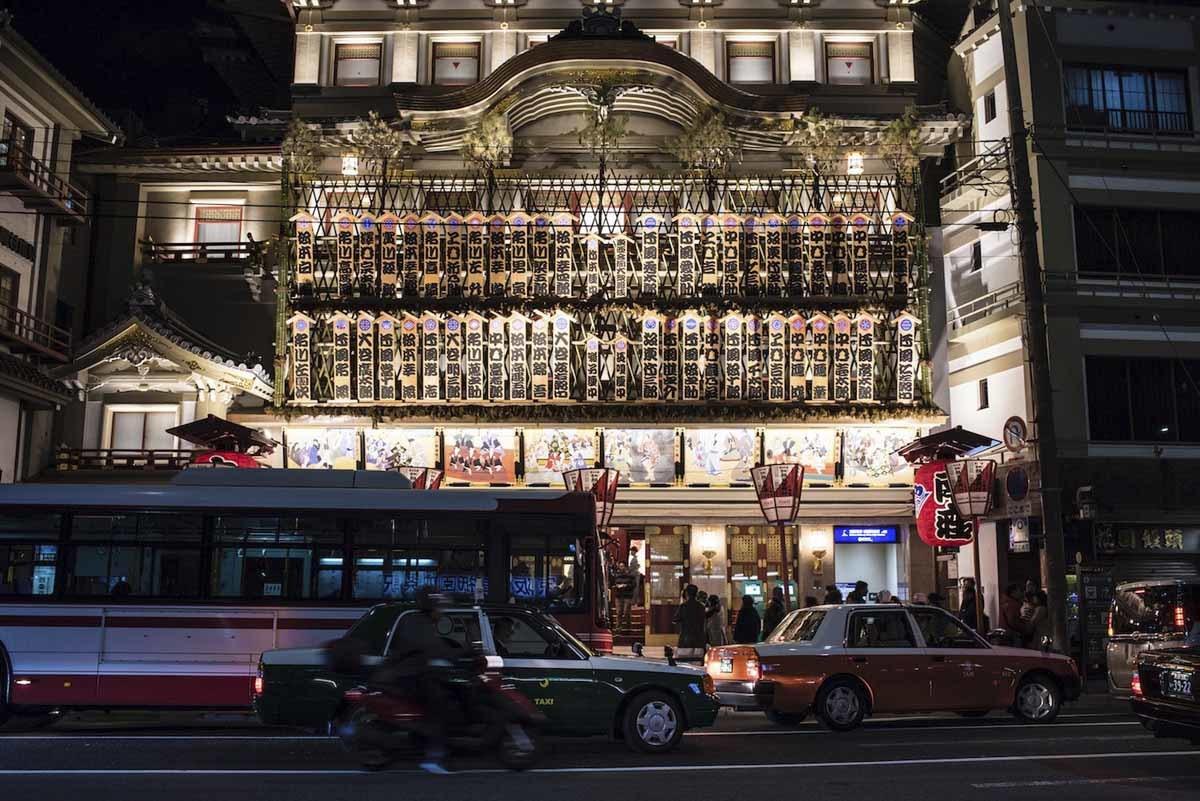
(164, 596)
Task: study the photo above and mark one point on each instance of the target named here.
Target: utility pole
(1053, 558)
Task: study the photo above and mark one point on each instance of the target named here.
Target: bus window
(27, 556)
(271, 557)
(397, 573)
(27, 569)
(547, 570)
(145, 555)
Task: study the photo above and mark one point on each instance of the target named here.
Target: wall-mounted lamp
(817, 566)
(855, 164)
(349, 164)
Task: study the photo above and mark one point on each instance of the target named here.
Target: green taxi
(647, 703)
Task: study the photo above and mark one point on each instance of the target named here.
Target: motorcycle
(488, 715)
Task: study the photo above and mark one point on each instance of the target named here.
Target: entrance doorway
(756, 562)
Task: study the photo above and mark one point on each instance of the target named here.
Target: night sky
(137, 55)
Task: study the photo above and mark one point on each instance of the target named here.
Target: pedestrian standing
(775, 612)
(832, 594)
(967, 611)
(1010, 615)
(714, 623)
(859, 594)
(748, 625)
(690, 619)
(1040, 628)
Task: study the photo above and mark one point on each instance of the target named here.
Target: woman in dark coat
(748, 626)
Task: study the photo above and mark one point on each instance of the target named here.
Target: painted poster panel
(389, 448)
(643, 455)
(480, 455)
(815, 448)
(869, 455)
(322, 448)
(719, 455)
(550, 451)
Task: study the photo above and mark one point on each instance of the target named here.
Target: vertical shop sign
(302, 348)
(432, 284)
(592, 277)
(650, 228)
(497, 255)
(454, 365)
(410, 255)
(560, 363)
(620, 368)
(772, 237)
(389, 234)
(410, 357)
(453, 230)
(431, 347)
(670, 360)
(368, 254)
(902, 233)
(306, 246)
(691, 354)
(518, 357)
(733, 355)
(341, 356)
(777, 379)
(688, 229)
(385, 325)
(906, 358)
(712, 359)
(731, 255)
(754, 355)
(864, 358)
(473, 357)
(815, 254)
(620, 278)
(539, 358)
(541, 268)
(818, 359)
(364, 346)
(836, 255)
(564, 255)
(591, 368)
(842, 357)
(797, 359)
(860, 236)
(344, 228)
(796, 254)
(473, 255)
(652, 344)
(497, 353)
(710, 254)
(518, 256)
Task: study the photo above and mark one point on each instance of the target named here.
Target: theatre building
(675, 239)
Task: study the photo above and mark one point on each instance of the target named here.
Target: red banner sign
(938, 523)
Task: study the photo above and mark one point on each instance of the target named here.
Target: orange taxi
(843, 663)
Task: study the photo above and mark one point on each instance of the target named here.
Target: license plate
(1177, 684)
(727, 664)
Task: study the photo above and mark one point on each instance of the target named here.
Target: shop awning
(220, 434)
(949, 444)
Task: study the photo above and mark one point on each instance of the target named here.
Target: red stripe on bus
(48, 621)
(88, 689)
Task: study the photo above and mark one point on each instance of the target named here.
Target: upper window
(849, 63)
(10, 291)
(750, 62)
(984, 400)
(455, 63)
(989, 106)
(18, 136)
(357, 64)
(218, 224)
(883, 629)
(1143, 400)
(142, 429)
(1125, 99)
(1138, 243)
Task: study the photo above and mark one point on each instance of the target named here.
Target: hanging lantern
(602, 483)
(422, 478)
(778, 487)
(971, 486)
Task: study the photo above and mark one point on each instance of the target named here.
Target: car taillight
(1180, 619)
(258, 681)
(1135, 684)
(753, 670)
(1110, 629)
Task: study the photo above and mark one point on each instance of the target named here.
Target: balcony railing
(1117, 285)
(121, 459)
(36, 182)
(985, 306)
(198, 252)
(987, 171)
(25, 333)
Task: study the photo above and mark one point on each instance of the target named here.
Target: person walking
(859, 594)
(1041, 630)
(775, 612)
(748, 625)
(967, 612)
(714, 623)
(1010, 615)
(690, 619)
(832, 594)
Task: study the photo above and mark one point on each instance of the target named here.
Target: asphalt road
(1095, 751)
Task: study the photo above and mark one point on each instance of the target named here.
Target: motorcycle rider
(416, 664)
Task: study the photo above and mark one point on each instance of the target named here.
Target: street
(1095, 751)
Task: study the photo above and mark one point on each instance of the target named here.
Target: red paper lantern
(421, 478)
(602, 483)
(938, 521)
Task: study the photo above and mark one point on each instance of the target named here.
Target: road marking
(1069, 782)
(626, 769)
(878, 726)
(1010, 741)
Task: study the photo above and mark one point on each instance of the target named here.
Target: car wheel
(784, 719)
(1038, 699)
(653, 723)
(842, 705)
(1149, 725)
(974, 713)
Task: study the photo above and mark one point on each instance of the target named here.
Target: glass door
(667, 573)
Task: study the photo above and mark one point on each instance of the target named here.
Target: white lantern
(971, 486)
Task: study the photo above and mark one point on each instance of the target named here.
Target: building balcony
(113, 459)
(196, 252)
(1002, 301)
(978, 182)
(25, 333)
(37, 185)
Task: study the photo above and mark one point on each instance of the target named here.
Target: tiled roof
(17, 369)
